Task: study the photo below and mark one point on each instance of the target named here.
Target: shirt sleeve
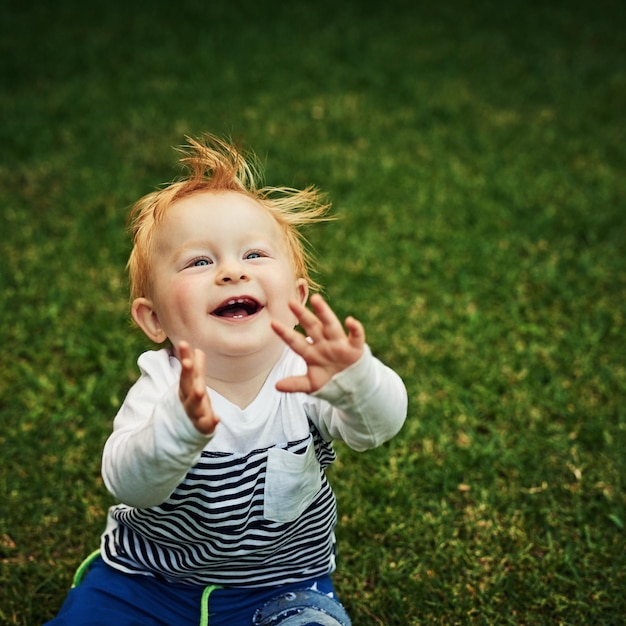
(365, 404)
(154, 443)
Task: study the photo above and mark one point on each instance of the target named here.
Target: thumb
(295, 384)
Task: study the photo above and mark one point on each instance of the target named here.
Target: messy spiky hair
(212, 164)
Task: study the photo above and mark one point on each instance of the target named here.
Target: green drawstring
(204, 606)
(204, 602)
(83, 567)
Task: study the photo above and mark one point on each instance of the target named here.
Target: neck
(239, 379)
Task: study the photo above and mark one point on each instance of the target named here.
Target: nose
(232, 272)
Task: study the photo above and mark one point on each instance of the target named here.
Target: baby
(218, 453)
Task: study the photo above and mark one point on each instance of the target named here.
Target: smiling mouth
(237, 308)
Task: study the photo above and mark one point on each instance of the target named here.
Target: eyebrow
(178, 252)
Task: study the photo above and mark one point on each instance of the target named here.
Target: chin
(242, 348)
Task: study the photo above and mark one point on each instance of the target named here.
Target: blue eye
(199, 263)
(254, 255)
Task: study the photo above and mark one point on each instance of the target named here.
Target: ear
(147, 319)
(302, 289)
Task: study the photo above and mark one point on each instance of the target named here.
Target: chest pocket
(291, 483)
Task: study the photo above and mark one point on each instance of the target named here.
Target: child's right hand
(192, 390)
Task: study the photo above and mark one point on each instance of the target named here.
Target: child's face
(221, 273)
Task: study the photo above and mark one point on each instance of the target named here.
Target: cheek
(284, 297)
(179, 302)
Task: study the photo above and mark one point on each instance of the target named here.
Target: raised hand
(327, 349)
(192, 389)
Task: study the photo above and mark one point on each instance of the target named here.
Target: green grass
(476, 158)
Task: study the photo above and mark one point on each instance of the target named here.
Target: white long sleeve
(154, 443)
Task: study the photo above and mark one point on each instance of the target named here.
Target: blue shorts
(108, 597)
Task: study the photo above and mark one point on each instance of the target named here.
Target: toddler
(218, 453)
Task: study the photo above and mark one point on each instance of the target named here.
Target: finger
(310, 322)
(201, 414)
(307, 319)
(356, 332)
(184, 352)
(207, 425)
(199, 369)
(193, 364)
(295, 340)
(186, 383)
(294, 384)
(332, 327)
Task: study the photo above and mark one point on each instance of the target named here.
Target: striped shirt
(249, 506)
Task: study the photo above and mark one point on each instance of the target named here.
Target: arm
(365, 406)
(154, 442)
(368, 401)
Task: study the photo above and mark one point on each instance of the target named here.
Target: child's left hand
(327, 350)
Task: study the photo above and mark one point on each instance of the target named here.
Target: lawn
(475, 156)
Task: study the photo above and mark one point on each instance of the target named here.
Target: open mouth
(237, 308)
